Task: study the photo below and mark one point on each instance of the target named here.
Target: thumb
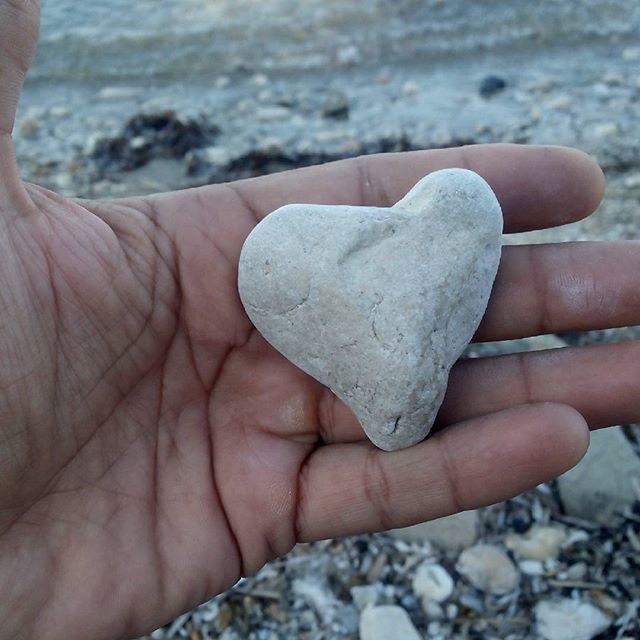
(19, 22)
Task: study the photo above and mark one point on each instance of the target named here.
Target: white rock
(215, 155)
(432, 582)
(577, 571)
(410, 88)
(119, 93)
(260, 80)
(387, 622)
(606, 130)
(451, 533)
(613, 78)
(348, 56)
(60, 111)
(569, 620)
(562, 103)
(377, 304)
(531, 567)
(317, 594)
(365, 595)
(632, 181)
(489, 569)
(432, 609)
(272, 114)
(603, 481)
(631, 53)
(539, 543)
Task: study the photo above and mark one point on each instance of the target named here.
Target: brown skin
(153, 447)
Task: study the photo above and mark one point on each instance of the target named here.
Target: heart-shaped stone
(377, 304)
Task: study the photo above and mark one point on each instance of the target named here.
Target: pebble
(531, 567)
(561, 103)
(631, 54)
(491, 86)
(577, 571)
(569, 619)
(29, 127)
(613, 79)
(336, 106)
(410, 88)
(544, 84)
(538, 543)
(365, 595)
(118, 93)
(331, 136)
(606, 130)
(387, 622)
(451, 533)
(260, 80)
(60, 111)
(632, 181)
(348, 56)
(432, 609)
(317, 595)
(603, 481)
(272, 114)
(378, 304)
(432, 582)
(488, 569)
(218, 156)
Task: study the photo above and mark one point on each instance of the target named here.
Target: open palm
(154, 448)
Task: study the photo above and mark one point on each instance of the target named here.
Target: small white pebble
(568, 619)
(386, 622)
(432, 581)
(260, 80)
(531, 567)
(410, 88)
(488, 569)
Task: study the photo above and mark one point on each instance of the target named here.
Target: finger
(356, 488)
(18, 35)
(537, 186)
(19, 20)
(601, 382)
(563, 287)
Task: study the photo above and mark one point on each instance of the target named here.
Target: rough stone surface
(377, 304)
(489, 569)
(387, 622)
(432, 582)
(568, 619)
(451, 533)
(605, 480)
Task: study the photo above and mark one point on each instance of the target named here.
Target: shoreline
(587, 97)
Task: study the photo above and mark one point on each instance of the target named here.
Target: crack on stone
(282, 312)
(299, 304)
(390, 431)
(372, 311)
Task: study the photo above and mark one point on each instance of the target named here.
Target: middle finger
(572, 286)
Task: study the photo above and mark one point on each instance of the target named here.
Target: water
(111, 40)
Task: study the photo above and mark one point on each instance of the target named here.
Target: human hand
(154, 448)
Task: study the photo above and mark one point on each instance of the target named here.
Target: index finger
(537, 186)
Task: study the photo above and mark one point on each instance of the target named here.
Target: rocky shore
(118, 140)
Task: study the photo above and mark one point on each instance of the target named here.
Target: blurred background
(128, 98)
